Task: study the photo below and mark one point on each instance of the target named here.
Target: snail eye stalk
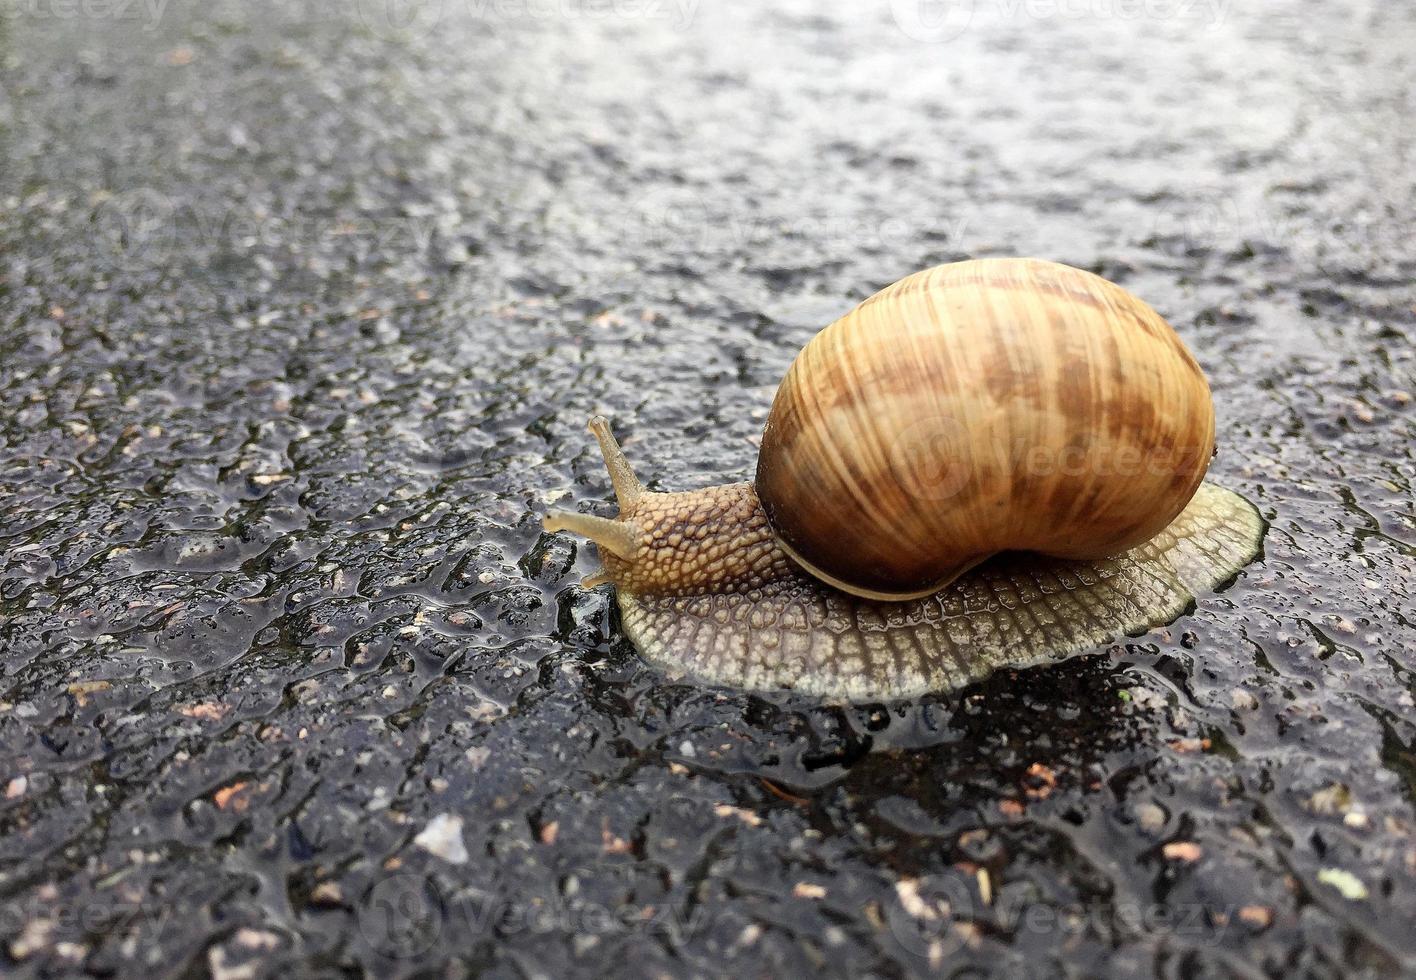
(628, 489)
(619, 538)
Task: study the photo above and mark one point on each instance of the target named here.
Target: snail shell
(1006, 407)
(979, 407)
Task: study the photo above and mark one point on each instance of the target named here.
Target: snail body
(990, 462)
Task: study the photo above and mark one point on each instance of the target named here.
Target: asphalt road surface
(303, 308)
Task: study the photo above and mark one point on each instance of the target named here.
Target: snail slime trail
(852, 569)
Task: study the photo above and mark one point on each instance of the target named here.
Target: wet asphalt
(303, 308)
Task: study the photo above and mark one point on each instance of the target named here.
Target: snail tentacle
(628, 489)
(612, 536)
(618, 537)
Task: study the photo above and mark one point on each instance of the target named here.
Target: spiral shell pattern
(979, 407)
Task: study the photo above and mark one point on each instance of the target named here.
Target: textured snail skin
(714, 541)
(1014, 610)
(978, 407)
(706, 592)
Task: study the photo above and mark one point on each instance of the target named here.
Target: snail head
(712, 540)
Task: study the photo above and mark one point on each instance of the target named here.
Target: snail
(992, 462)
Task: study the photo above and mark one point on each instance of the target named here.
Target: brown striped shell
(979, 407)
